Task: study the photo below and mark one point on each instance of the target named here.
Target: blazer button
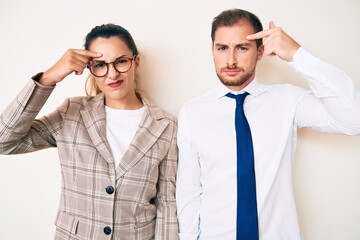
(110, 189)
(107, 230)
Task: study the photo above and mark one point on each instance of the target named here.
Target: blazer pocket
(146, 229)
(145, 214)
(66, 222)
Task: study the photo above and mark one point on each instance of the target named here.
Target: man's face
(235, 57)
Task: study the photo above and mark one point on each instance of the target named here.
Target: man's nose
(231, 60)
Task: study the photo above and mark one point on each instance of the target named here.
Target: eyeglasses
(101, 68)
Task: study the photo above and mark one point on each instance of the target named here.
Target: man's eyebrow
(237, 45)
(220, 45)
(243, 45)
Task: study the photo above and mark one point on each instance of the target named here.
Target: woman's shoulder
(87, 101)
(83, 99)
(160, 113)
(79, 103)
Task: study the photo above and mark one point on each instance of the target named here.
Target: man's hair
(232, 16)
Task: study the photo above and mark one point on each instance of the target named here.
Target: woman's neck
(127, 103)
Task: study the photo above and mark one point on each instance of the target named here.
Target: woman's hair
(230, 17)
(107, 31)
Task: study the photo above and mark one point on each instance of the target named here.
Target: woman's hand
(74, 60)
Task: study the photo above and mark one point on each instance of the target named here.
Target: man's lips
(115, 84)
(232, 72)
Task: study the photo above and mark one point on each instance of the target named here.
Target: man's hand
(276, 42)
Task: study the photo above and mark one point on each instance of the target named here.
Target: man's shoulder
(197, 107)
(282, 89)
(204, 98)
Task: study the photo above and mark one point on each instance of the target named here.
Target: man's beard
(235, 81)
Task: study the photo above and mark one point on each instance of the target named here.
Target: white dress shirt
(206, 180)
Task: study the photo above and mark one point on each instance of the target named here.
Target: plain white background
(174, 39)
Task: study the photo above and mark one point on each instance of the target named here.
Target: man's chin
(233, 83)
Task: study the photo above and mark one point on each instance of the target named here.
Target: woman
(117, 150)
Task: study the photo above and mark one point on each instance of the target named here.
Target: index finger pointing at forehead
(258, 35)
(87, 53)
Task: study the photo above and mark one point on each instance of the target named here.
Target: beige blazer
(135, 200)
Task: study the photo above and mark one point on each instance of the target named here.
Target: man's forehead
(234, 34)
(243, 25)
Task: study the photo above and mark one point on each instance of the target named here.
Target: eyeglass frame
(107, 65)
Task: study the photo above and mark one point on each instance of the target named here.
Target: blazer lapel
(150, 129)
(94, 118)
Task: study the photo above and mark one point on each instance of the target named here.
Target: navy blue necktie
(246, 220)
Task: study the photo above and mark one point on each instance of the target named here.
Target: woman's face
(117, 87)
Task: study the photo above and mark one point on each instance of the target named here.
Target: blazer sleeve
(166, 220)
(20, 132)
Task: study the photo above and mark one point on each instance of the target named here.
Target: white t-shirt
(121, 126)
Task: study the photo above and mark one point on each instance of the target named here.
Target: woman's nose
(113, 73)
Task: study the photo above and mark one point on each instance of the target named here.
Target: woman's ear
(137, 61)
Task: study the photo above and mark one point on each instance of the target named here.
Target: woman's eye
(99, 65)
(121, 61)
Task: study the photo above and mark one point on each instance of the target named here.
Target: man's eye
(242, 48)
(222, 48)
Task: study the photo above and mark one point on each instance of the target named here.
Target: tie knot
(239, 98)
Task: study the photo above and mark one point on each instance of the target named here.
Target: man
(211, 198)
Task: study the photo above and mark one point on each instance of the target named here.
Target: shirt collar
(253, 88)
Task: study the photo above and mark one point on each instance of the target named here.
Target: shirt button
(110, 189)
(107, 230)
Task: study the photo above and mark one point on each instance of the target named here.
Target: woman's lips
(115, 84)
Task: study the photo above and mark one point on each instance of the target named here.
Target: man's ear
(260, 52)
(212, 49)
